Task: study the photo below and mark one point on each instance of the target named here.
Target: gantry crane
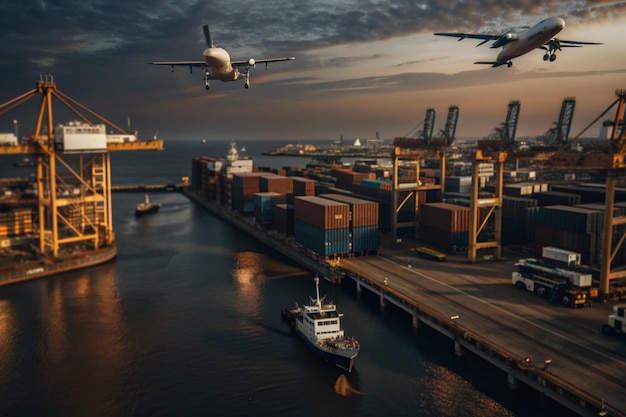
(493, 150)
(73, 191)
(413, 150)
(612, 160)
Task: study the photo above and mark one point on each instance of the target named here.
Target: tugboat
(146, 207)
(319, 324)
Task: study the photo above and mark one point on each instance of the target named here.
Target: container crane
(73, 188)
(412, 150)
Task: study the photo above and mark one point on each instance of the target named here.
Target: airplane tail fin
(207, 36)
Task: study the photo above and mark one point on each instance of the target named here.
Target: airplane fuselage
(530, 39)
(218, 61)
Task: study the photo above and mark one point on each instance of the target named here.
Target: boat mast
(317, 292)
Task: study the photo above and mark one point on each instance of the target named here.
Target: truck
(616, 323)
(428, 253)
(560, 286)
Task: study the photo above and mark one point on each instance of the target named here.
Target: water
(186, 322)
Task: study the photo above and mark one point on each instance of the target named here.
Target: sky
(361, 67)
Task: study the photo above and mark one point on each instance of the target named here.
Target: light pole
(546, 363)
(15, 130)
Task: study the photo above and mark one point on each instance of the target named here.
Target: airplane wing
(259, 61)
(485, 37)
(562, 43)
(198, 64)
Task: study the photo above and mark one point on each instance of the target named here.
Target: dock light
(546, 363)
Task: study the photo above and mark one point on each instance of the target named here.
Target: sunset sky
(361, 66)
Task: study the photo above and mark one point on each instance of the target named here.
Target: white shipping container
(561, 255)
(77, 137)
(8, 139)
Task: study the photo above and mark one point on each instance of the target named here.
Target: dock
(557, 351)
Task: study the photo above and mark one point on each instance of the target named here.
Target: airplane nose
(560, 22)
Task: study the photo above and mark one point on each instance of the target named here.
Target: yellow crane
(73, 189)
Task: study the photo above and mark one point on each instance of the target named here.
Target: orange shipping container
(322, 213)
(363, 212)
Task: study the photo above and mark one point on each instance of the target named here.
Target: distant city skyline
(359, 68)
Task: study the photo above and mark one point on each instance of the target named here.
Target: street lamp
(15, 129)
(546, 363)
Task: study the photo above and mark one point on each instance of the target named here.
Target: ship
(146, 207)
(25, 163)
(319, 324)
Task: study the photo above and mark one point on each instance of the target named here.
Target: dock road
(557, 350)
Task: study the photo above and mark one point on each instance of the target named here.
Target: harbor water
(187, 322)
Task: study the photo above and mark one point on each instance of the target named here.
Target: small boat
(319, 324)
(147, 207)
(26, 162)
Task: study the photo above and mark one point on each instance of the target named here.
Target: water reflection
(81, 329)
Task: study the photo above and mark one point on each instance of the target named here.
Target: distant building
(8, 139)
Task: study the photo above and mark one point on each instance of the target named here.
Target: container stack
(244, 186)
(457, 184)
(555, 198)
(347, 179)
(264, 204)
(515, 213)
(322, 225)
(283, 218)
(16, 223)
(364, 232)
(444, 226)
(275, 184)
(576, 229)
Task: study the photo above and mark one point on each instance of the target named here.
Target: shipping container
(365, 239)
(362, 212)
(444, 216)
(325, 242)
(322, 213)
(276, 183)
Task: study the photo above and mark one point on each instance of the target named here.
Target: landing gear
(207, 85)
(246, 85)
(549, 56)
(509, 64)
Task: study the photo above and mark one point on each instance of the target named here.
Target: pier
(559, 352)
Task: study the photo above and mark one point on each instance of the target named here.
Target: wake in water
(343, 387)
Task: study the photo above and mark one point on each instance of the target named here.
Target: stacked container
(16, 223)
(244, 186)
(283, 218)
(554, 198)
(364, 232)
(275, 184)
(572, 228)
(264, 204)
(444, 225)
(515, 218)
(322, 225)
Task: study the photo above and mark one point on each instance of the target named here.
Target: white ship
(319, 324)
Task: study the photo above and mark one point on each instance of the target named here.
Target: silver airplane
(218, 66)
(517, 43)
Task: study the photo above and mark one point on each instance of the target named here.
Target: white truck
(616, 324)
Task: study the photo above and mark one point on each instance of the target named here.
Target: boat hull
(146, 210)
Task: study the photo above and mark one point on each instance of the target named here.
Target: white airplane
(218, 66)
(517, 43)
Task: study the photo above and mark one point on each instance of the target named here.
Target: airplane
(218, 66)
(516, 43)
